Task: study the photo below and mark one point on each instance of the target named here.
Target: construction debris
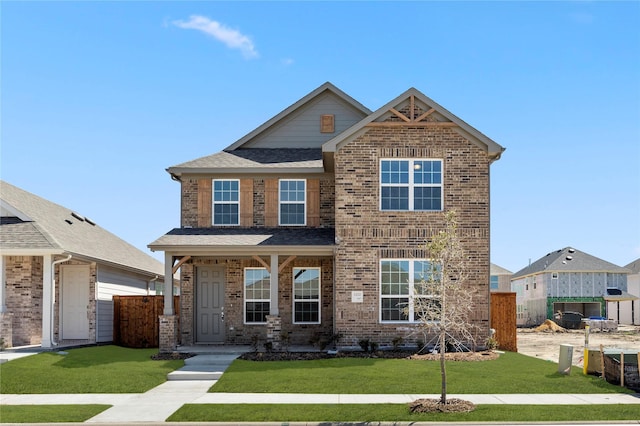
(550, 326)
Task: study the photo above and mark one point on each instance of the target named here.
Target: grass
(97, 369)
(510, 373)
(397, 412)
(49, 413)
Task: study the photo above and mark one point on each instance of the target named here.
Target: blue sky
(99, 98)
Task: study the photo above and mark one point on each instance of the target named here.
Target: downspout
(150, 282)
(53, 295)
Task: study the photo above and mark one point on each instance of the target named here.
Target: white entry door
(74, 302)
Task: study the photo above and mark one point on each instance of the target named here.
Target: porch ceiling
(247, 241)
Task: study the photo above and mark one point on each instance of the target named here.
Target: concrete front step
(203, 367)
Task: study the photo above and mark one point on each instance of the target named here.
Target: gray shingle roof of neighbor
(256, 159)
(569, 259)
(40, 224)
(247, 237)
(634, 266)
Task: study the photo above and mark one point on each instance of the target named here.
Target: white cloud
(233, 39)
(287, 62)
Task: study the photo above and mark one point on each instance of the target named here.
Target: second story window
(411, 185)
(292, 209)
(226, 202)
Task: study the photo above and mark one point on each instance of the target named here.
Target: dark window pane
(257, 311)
(393, 309)
(307, 312)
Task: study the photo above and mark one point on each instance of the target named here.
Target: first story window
(403, 297)
(226, 202)
(293, 202)
(306, 295)
(412, 185)
(257, 295)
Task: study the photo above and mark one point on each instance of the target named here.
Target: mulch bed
(307, 356)
(170, 356)
(453, 405)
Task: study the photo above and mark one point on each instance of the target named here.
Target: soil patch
(169, 356)
(453, 405)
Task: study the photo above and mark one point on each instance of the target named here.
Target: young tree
(443, 304)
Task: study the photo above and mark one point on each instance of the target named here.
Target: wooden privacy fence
(503, 320)
(136, 320)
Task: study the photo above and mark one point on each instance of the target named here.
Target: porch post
(274, 310)
(168, 283)
(47, 301)
(168, 327)
(3, 306)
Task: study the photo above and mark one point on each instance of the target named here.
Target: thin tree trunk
(443, 369)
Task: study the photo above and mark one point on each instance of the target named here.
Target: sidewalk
(160, 402)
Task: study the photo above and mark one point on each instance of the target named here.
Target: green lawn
(510, 373)
(397, 412)
(49, 413)
(97, 369)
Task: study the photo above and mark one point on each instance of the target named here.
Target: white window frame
(318, 300)
(304, 203)
(411, 185)
(246, 300)
(411, 296)
(214, 202)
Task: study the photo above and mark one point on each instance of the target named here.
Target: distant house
(630, 312)
(59, 272)
(314, 223)
(567, 280)
(499, 279)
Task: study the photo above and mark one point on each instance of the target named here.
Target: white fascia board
(5, 206)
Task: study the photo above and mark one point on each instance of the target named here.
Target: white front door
(74, 302)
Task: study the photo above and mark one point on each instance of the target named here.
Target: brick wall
(24, 298)
(236, 331)
(367, 234)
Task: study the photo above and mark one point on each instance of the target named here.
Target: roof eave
(179, 171)
(31, 252)
(244, 250)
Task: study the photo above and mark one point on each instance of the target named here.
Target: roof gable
(569, 259)
(298, 126)
(414, 108)
(54, 227)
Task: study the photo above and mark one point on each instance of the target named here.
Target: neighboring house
(59, 272)
(314, 224)
(567, 280)
(500, 279)
(630, 312)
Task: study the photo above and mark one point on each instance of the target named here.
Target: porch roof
(247, 241)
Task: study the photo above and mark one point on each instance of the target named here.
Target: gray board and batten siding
(302, 129)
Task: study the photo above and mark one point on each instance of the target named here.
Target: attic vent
(77, 216)
(68, 221)
(327, 123)
(572, 250)
(89, 221)
(569, 258)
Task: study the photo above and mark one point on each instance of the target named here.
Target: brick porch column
(274, 329)
(168, 333)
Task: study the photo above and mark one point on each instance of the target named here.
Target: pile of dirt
(459, 356)
(453, 405)
(550, 326)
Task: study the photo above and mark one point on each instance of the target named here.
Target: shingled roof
(569, 259)
(32, 225)
(226, 240)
